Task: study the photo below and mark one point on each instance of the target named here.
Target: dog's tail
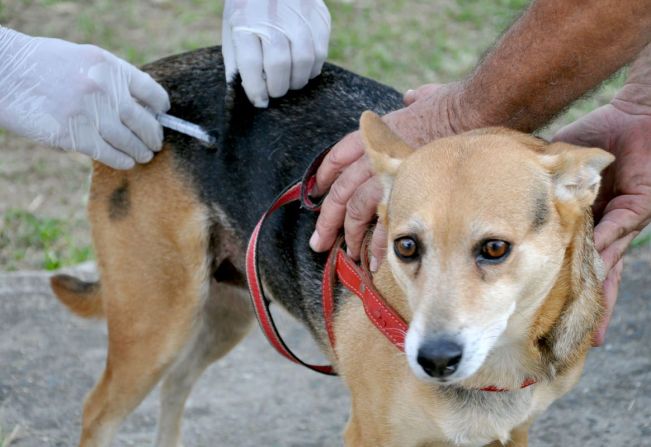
(81, 297)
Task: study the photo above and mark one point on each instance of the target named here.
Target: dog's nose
(439, 358)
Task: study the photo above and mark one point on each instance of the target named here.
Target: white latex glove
(275, 45)
(79, 98)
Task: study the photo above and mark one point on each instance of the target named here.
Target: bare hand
(354, 192)
(623, 207)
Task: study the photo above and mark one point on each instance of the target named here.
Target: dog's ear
(385, 149)
(576, 172)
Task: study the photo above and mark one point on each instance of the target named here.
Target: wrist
(465, 112)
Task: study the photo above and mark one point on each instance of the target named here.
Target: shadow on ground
(49, 359)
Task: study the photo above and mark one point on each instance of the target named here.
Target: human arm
(623, 208)
(554, 53)
(274, 45)
(79, 98)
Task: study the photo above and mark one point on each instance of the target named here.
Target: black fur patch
(540, 211)
(227, 273)
(119, 202)
(76, 285)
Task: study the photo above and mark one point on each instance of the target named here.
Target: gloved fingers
(320, 37)
(248, 54)
(277, 63)
(91, 143)
(108, 155)
(121, 138)
(228, 52)
(302, 48)
(149, 92)
(142, 123)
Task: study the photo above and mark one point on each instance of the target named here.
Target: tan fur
(165, 320)
(158, 297)
(391, 406)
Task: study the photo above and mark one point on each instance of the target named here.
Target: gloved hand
(79, 98)
(275, 45)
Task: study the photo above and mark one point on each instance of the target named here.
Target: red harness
(339, 265)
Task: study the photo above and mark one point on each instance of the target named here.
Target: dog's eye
(494, 250)
(406, 248)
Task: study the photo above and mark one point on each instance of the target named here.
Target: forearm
(556, 52)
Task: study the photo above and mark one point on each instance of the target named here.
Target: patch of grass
(23, 233)
(641, 241)
(7, 438)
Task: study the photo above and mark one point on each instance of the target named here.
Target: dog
(490, 259)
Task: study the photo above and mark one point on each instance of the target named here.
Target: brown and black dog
(491, 261)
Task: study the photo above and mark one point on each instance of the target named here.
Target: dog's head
(488, 232)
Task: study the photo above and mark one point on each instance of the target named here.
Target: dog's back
(258, 153)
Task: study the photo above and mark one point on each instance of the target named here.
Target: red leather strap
(493, 389)
(387, 320)
(328, 293)
(259, 300)
(356, 279)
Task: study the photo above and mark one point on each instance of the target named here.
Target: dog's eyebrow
(415, 225)
(540, 210)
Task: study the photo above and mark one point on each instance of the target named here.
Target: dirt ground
(254, 397)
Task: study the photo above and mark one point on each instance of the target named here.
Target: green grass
(403, 43)
(641, 241)
(22, 233)
(7, 438)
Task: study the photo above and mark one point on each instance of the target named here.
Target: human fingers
(615, 224)
(333, 210)
(611, 289)
(320, 36)
(228, 51)
(143, 124)
(277, 62)
(302, 50)
(147, 91)
(87, 140)
(412, 95)
(91, 143)
(342, 154)
(120, 137)
(248, 54)
(361, 210)
(612, 253)
(378, 246)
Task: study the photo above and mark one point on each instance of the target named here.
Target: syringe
(185, 127)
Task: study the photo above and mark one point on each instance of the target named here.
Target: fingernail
(349, 253)
(409, 95)
(314, 241)
(261, 103)
(373, 264)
